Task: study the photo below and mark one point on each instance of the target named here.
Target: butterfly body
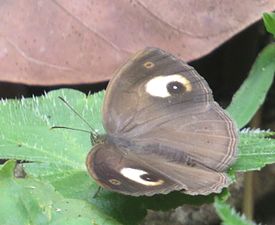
(164, 131)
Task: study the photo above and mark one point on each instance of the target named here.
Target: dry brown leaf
(71, 42)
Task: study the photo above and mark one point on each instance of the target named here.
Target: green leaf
(26, 128)
(251, 94)
(269, 22)
(256, 149)
(29, 201)
(228, 215)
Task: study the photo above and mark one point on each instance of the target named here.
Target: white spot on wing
(158, 85)
(135, 175)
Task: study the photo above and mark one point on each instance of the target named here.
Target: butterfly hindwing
(149, 174)
(126, 174)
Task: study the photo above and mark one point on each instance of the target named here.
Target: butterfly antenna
(70, 128)
(94, 133)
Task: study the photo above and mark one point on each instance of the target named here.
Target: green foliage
(228, 215)
(251, 94)
(269, 22)
(30, 201)
(257, 149)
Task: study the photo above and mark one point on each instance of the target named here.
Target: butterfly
(164, 131)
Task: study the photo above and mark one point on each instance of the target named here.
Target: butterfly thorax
(97, 138)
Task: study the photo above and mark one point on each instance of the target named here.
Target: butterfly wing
(159, 107)
(128, 102)
(125, 173)
(144, 112)
(130, 174)
(205, 138)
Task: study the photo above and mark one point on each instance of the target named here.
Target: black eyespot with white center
(164, 86)
(141, 177)
(175, 88)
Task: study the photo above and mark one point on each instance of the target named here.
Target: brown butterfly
(164, 131)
